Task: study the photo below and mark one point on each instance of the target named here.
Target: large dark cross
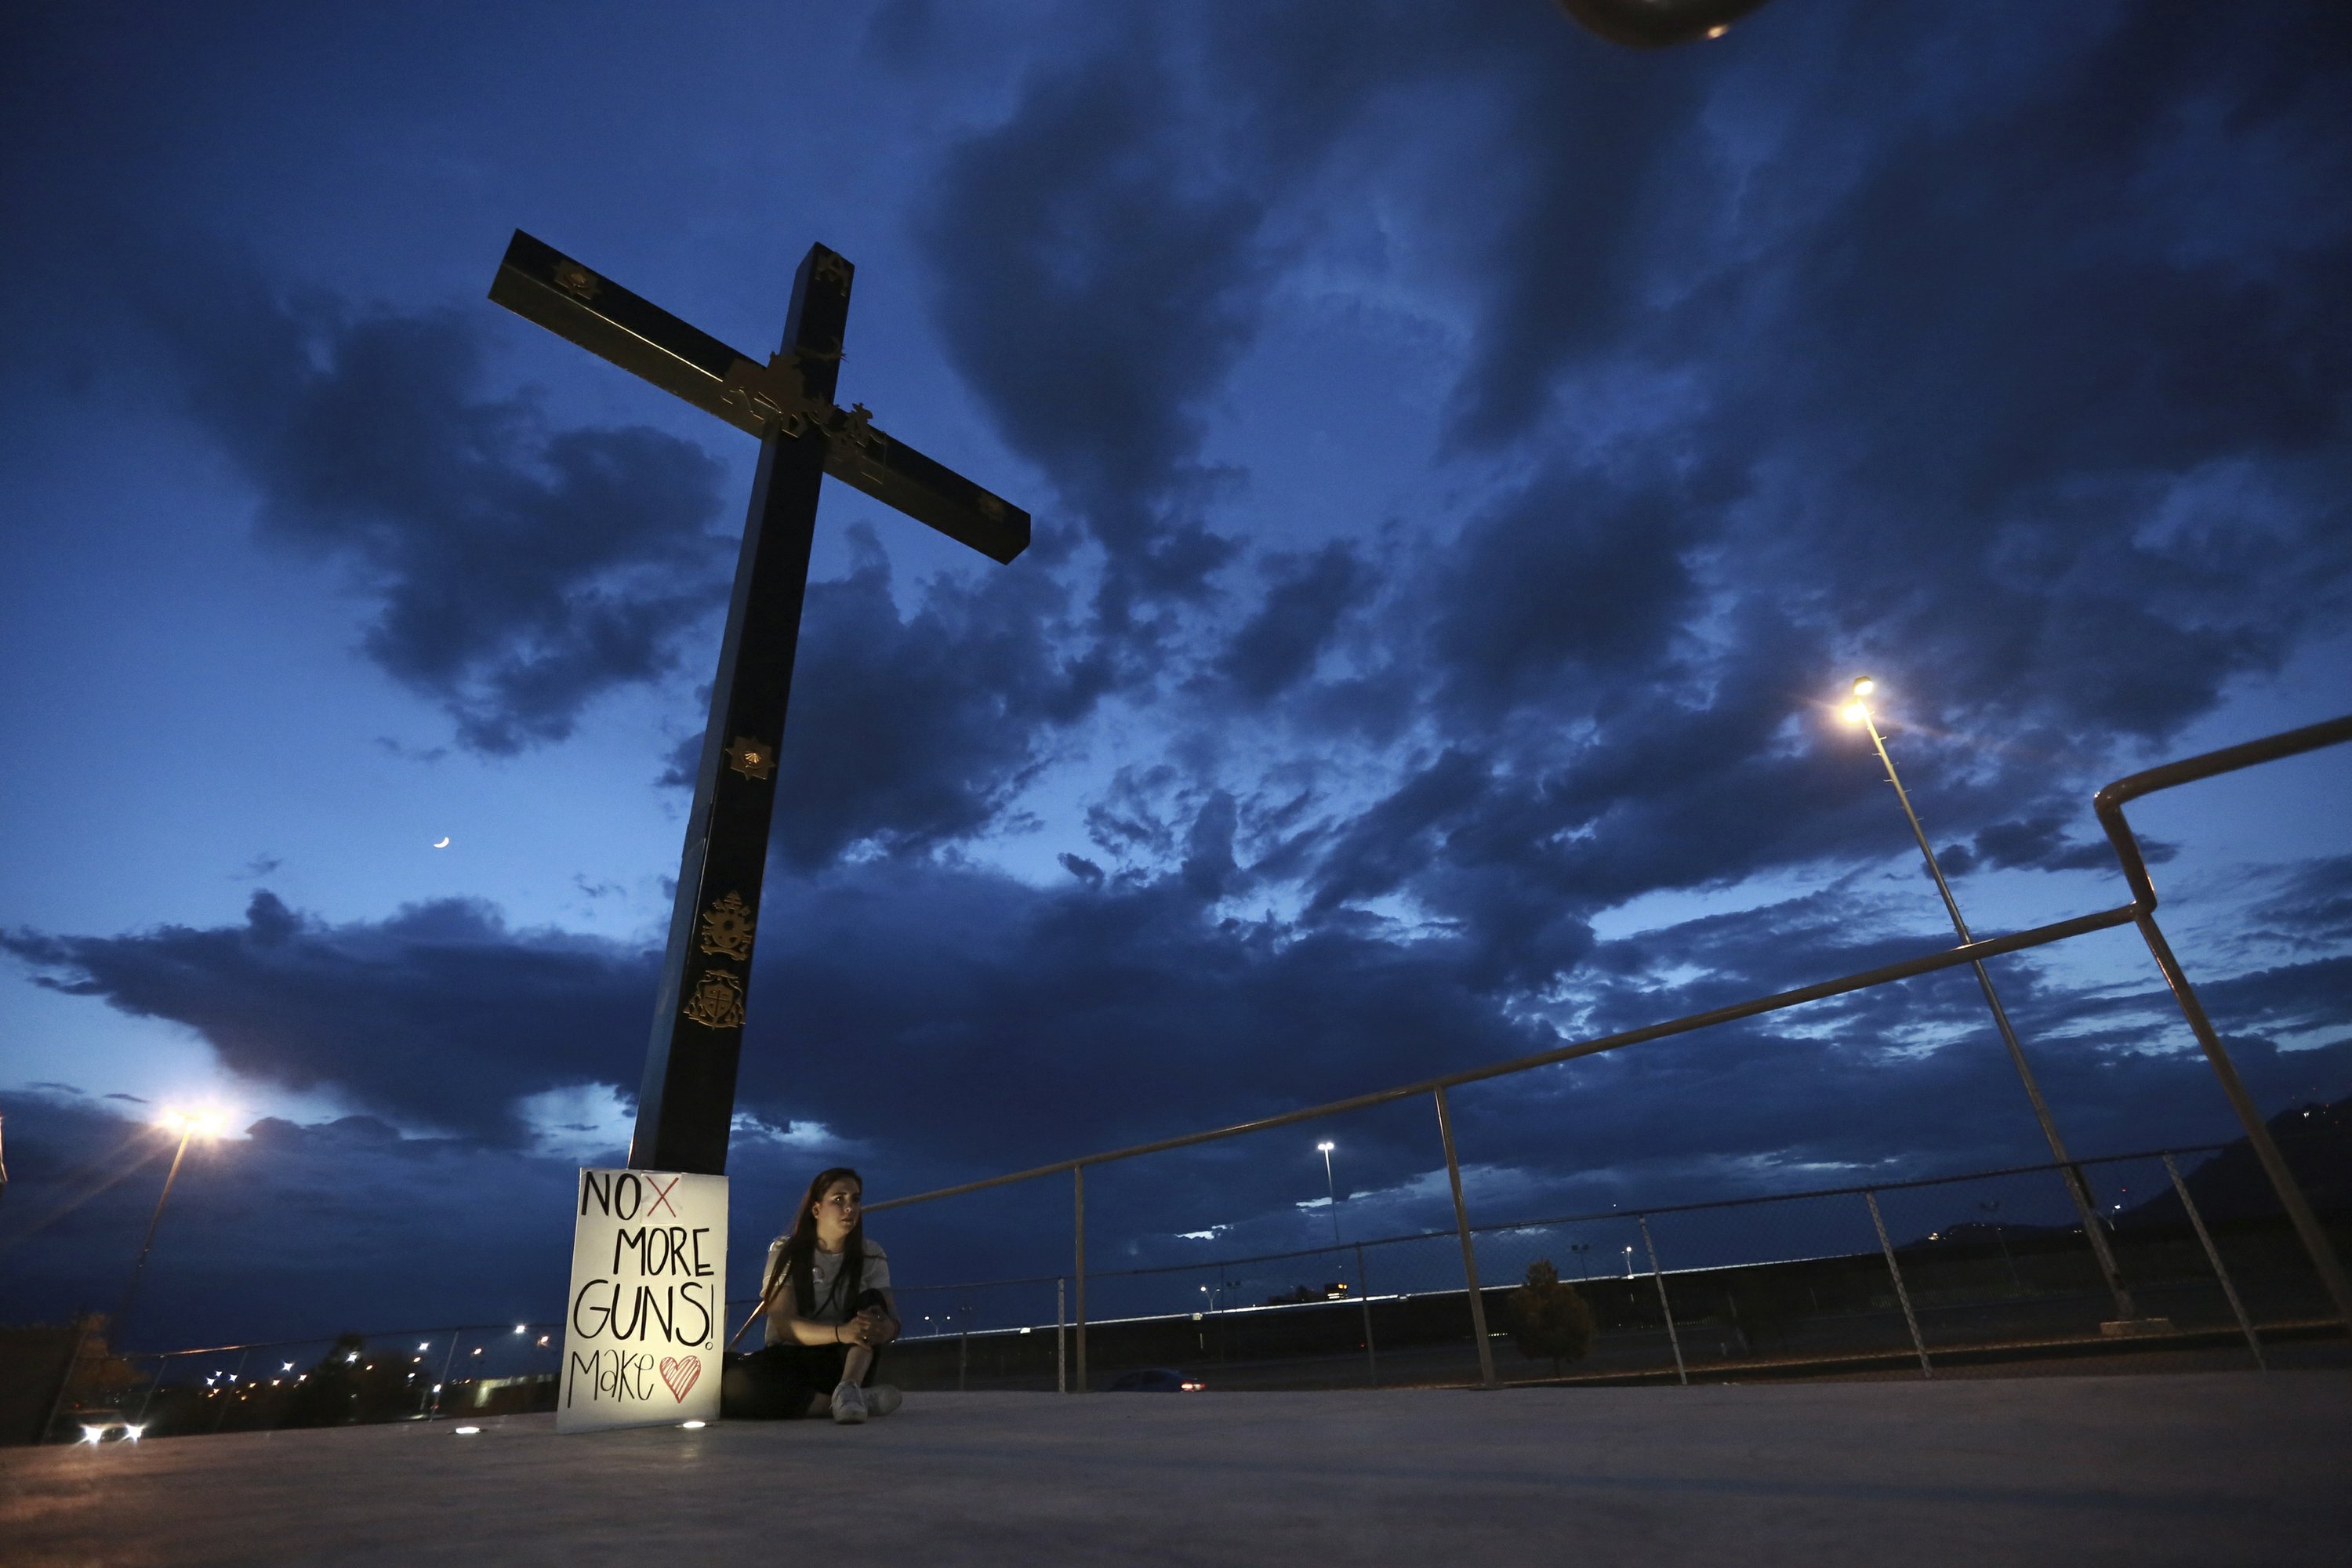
(688, 1099)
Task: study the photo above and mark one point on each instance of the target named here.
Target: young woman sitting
(826, 1298)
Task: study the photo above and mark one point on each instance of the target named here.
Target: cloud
(2040, 843)
(1094, 284)
(1576, 581)
(284, 1231)
(1943, 384)
(947, 1022)
(2310, 904)
(1306, 596)
(1999, 355)
(2053, 444)
(439, 1016)
(518, 570)
(911, 732)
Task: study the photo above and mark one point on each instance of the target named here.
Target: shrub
(1549, 1319)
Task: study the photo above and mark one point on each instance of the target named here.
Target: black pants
(780, 1382)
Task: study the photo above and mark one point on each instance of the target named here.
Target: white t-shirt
(825, 1274)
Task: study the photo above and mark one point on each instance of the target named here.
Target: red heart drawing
(680, 1373)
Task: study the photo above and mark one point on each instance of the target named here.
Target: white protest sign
(649, 1294)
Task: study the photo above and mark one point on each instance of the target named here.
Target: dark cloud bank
(2000, 355)
(518, 570)
(941, 1023)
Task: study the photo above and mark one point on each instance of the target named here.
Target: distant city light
(468, 1431)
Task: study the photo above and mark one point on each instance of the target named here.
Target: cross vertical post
(686, 1102)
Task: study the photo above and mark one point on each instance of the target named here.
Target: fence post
(82, 1322)
(2307, 1227)
(1674, 1336)
(1901, 1295)
(2213, 1256)
(1364, 1297)
(1061, 1337)
(446, 1362)
(1078, 1173)
(1469, 1257)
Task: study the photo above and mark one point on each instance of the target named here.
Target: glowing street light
(188, 1124)
(1858, 712)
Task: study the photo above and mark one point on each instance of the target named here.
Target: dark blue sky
(1469, 463)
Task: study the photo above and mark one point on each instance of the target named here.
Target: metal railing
(2141, 912)
(1831, 1280)
(1975, 1268)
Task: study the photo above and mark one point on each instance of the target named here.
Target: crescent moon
(444, 844)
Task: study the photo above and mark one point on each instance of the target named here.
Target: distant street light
(1330, 1188)
(188, 1123)
(1858, 712)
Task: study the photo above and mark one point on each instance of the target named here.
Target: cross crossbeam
(541, 284)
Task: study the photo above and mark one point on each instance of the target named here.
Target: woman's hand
(861, 1330)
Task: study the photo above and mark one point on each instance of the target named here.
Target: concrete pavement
(2201, 1469)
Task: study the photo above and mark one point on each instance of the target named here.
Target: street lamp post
(209, 1124)
(1858, 712)
(189, 1123)
(1332, 1188)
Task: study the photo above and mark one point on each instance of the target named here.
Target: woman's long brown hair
(796, 1262)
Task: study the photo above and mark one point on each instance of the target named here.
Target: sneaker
(881, 1399)
(849, 1404)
